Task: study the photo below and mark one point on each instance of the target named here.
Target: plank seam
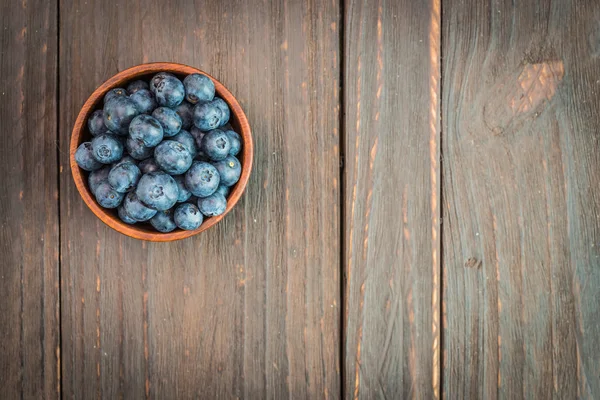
(58, 167)
(435, 173)
(342, 195)
(441, 206)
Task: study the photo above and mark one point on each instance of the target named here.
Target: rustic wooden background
(423, 218)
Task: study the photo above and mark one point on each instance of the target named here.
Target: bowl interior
(144, 230)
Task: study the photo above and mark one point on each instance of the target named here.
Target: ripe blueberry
(85, 159)
(172, 157)
(213, 205)
(202, 179)
(198, 87)
(158, 190)
(107, 149)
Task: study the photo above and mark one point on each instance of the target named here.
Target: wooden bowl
(81, 134)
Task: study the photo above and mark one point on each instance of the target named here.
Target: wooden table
(422, 221)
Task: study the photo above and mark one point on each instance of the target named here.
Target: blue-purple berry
(116, 92)
(144, 101)
(186, 139)
(136, 209)
(229, 169)
(85, 159)
(107, 149)
(213, 205)
(169, 120)
(157, 190)
(198, 88)
(184, 193)
(235, 141)
(148, 165)
(168, 89)
(216, 145)
(172, 157)
(118, 113)
(137, 85)
(186, 112)
(124, 216)
(96, 123)
(137, 149)
(163, 221)
(107, 196)
(147, 129)
(188, 217)
(97, 177)
(124, 176)
(202, 179)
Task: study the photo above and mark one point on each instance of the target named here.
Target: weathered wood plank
(391, 92)
(521, 229)
(250, 309)
(29, 322)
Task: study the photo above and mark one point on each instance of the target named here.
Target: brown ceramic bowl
(80, 134)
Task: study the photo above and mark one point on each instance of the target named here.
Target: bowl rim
(118, 80)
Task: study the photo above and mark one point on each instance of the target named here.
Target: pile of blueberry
(162, 151)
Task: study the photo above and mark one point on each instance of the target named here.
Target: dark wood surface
(391, 347)
(421, 220)
(250, 308)
(521, 228)
(29, 221)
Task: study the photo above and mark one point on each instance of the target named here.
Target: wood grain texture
(29, 321)
(81, 134)
(249, 308)
(391, 93)
(521, 171)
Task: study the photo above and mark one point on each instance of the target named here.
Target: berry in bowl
(161, 152)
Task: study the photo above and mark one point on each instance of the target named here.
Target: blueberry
(236, 142)
(213, 205)
(158, 190)
(108, 197)
(186, 111)
(184, 193)
(202, 179)
(188, 217)
(224, 190)
(135, 209)
(137, 149)
(137, 85)
(85, 159)
(148, 165)
(163, 221)
(207, 116)
(125, 159)
(97, 177)
(198, 135)
(169, 90)
(118, 113)
(124, 216)
(229, 169)
(215, 144)
(107, 149)
(222, 105)
(186, 139)
(156, 79)
(124, 176)
(116, 92)
(147, 129)
(96, 123)
(144, 101)
(172, 157)
(169, 120)
(198, 87)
